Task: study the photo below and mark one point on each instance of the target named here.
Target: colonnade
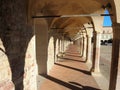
(85, 49)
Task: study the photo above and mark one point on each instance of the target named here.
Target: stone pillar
(30, 68)
(41, 32)
(80, 47)
(60, 49)
(84, 46)
(115, 64)
(88, 54)
(17, 57)
(65, 45)
(96, 52)
(62, 45)
(58, 45)
(50, 61)
(5, 70)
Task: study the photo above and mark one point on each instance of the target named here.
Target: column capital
(89, 36)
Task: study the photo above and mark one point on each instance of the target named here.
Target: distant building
(107, 33)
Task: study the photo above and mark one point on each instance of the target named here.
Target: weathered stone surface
(50, 61)
(15, 35)
(6, 85)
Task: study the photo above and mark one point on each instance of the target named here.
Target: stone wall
(5, 72)
(17, 64)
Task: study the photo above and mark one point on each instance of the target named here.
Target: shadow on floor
(83, 71)
(83, 87)
(70, 85)
(71, 59)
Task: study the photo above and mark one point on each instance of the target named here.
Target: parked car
(106, 42)
(110, 41)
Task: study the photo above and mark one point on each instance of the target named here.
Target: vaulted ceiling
(66, 7)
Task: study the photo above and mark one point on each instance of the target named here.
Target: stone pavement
(69, 73)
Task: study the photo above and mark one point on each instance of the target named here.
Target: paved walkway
(69, 73)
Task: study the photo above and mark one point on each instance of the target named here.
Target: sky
(107, 20)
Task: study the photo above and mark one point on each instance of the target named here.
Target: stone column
(115, 64)
(78, 45)
(65, 45)
(5, 70)
(63, 42)
(50, 60)
(41, 32)
(62, 45)
(96, 52)
(81, 46)
(85, 46)
(88, 54)
(58, 45)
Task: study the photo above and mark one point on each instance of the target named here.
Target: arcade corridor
(69, 73)
(57, 39)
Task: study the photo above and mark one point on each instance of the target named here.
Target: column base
(61, 54)
(95, 72)
(89, 61)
